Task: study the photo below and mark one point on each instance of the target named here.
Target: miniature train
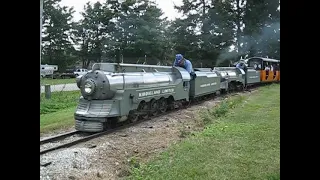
(112, 93)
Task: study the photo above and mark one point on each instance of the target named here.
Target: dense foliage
(135, 31)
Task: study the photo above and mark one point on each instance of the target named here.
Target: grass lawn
(57, 81)
(241, 141)
(59, 101)
(57, 112)
(57, 120)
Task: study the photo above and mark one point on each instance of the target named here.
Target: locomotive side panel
(253, 76)
(207, 82)
(154, 93)
(122, 68)
(232, 74)
(183, 79)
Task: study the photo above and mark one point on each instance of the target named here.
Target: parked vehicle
(80, 71)
(47, 70)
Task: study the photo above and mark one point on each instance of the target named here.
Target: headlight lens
(88, 87)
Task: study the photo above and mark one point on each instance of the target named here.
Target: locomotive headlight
(88, 87)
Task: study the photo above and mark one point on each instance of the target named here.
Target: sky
(167, 7)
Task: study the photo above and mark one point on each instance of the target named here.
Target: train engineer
(184, 63)
(241, 65)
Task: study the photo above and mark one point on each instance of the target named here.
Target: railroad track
(58, 137)
(87, 136)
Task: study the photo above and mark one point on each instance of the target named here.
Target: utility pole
(41, 11)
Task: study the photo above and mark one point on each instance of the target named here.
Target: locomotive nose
(95, 85)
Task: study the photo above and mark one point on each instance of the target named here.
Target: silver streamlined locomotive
(113, 93)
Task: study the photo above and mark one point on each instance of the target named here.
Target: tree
(140, 31)
(262, 30)
(93, 32)
(58, 25)
(205, 31)
(131, 30)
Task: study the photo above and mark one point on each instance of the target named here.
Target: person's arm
(189, 67)
(174, 63)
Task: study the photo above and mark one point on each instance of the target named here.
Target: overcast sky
(165, 5)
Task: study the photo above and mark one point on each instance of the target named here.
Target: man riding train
(180, 61)
(241, 65)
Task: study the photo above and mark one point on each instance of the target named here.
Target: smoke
(260, 42)
(257, 44)
(226, 55)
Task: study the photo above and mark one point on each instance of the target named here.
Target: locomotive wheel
(154, 107)
(133, 117)
(163, 105)
(111, 123)
(144, 108)
(232, 87)
(170, 103)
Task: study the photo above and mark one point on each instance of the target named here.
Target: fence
(58, 94)
(57, 97)
(57, 86)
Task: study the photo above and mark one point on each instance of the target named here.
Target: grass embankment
(241, 141)
(57, 112)
(57, 81)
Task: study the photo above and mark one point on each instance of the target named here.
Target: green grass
(59, 101)
(241, 141)
(57, 81)
(57, 112)
(57, 120)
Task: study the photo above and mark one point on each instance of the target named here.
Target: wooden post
(47, 90)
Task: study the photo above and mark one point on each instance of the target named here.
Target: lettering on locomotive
(206, 85)
(155, 92)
